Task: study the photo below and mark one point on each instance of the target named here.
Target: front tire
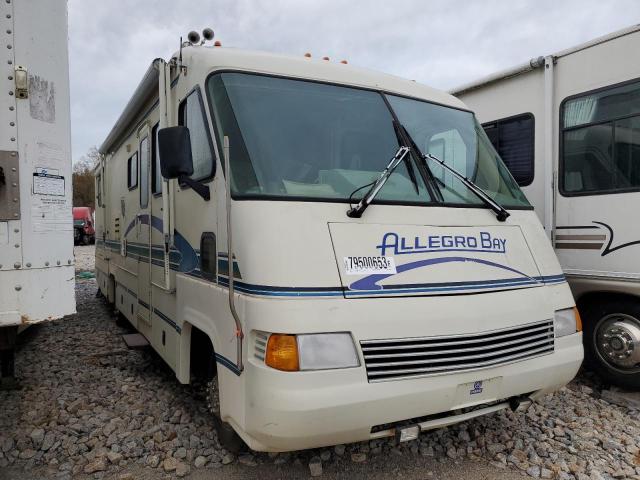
(227, 436)
(612, 341)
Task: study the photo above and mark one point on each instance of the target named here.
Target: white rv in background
(36, 226)
(282, 225)
(568, 127)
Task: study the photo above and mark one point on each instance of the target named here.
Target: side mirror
(174, 148)
(176, 161)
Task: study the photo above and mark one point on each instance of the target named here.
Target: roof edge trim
(143, 91)
(527, 67)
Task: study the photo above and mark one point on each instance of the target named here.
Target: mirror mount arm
(199, 188)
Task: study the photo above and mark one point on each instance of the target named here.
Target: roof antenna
(180, 57)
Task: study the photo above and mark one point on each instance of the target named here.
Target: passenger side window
(513, 139)
(132, 171)
(144, 172)
(191, 115)
(600, 149)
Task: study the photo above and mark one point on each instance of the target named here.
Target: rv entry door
(145, 225)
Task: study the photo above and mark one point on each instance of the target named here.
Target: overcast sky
(442, 43)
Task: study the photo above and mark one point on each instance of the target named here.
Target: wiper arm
(500, 211)
(429, 179)
(407, 161)
(357, 211)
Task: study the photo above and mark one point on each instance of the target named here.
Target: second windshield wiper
(501, 213)
(356, 212)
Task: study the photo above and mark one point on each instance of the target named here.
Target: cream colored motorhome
(568, 127)
(284, 225)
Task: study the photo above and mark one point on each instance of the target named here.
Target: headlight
(566, 322)
(327, 350)
(317, 351)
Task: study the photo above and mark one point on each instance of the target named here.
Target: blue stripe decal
(377, 290)
(370, 282)
(225, 362)
(173, 324)
(188, 256)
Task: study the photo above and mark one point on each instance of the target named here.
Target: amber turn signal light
(282, 353)
(578, 319)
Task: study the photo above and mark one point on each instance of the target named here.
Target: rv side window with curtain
(144, 172)
(191, 115)
(513, 139)
(132, 171)
(600, 141)
(156, 182)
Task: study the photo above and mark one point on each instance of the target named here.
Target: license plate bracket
(478, 391)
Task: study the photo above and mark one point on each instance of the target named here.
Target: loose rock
(315, 467)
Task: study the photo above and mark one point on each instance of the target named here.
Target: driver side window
(191, 114)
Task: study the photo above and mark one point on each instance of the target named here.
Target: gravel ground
(84, 258)
(90, 408)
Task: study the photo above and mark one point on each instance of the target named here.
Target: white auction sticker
(47, 184)
(369, 265)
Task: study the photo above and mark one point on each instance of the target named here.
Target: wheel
(227, 436)
(85, 240)
(612, 341)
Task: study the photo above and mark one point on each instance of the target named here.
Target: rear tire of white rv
(611, 328)
(227, 436)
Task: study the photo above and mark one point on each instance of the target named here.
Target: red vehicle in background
(83, 230)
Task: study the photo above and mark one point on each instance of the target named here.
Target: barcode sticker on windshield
(369, 265)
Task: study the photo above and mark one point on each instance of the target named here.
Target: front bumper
(293, 411)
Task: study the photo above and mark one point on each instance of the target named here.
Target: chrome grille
(410, 357)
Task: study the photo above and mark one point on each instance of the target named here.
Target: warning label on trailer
(45, 183)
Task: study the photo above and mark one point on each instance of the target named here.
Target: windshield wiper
(427, 176)
(356, 212)
(407, 161)
(500, 211)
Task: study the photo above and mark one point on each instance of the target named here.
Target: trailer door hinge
(22, 82)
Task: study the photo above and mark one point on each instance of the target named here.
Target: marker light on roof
(343, 61)
(308, 55)
(325, 58)
(217, 43)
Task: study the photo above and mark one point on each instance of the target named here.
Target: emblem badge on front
(477, 388)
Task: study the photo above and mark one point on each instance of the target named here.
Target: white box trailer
(36, 226)
(568, 127)
(225, 235)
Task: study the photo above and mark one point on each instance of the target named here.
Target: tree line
(83, 179)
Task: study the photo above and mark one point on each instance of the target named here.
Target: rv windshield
(303, 140)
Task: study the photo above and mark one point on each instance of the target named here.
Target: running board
(135, 341)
